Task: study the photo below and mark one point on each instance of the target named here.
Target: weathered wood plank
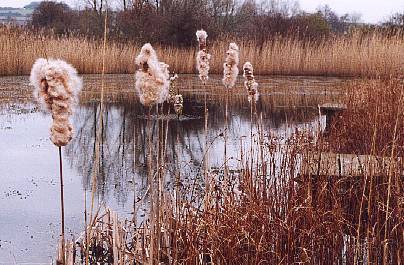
(333, 164)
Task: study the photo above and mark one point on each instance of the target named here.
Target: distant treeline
(174, 22)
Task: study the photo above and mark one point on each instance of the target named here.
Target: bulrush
(152, 77)
(56, 86)
(231, 66)
(249, 83)
(203, 57)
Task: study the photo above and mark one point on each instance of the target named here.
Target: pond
(29, 193)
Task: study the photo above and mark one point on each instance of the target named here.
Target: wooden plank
(332, 107)
(333, 164)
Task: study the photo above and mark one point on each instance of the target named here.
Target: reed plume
(230, 66)
(249, 83)
(203, 57)
(56, 89)
(152, 77)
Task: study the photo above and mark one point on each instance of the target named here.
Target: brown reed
(296, 214)
(355, 54)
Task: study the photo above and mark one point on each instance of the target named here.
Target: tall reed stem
(392, 165)
(251, 138)
(98, 135)
(206, 161)
(62, 204)
(225, 138)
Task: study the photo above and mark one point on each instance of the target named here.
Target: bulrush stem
(206, 159)
(251, 142)
(62, 204)
(152, 190)
(225, 138)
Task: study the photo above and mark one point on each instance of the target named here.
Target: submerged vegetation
(355, 54)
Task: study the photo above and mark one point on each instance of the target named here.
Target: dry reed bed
(270, 219)
(269, 212)
(374, 121)
(352, 55)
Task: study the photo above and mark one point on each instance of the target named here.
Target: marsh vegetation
(371, 54)
(274, 206)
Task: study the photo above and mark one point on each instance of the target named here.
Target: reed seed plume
(56, 87)
(203, 57)
(152, 77)
(249, 83)
(231, 66)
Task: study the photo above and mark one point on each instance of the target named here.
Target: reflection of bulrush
(173, 89)
(56, 89)
(178, 104)
(230, 67)
(203, 57)
(152, 77)
(249, 83)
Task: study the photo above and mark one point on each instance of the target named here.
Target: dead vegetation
(357, 54)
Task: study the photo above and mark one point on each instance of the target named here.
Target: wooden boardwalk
(332, 164)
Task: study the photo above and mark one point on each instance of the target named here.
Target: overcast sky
(372, 11)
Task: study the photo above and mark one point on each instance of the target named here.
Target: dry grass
(270, 211)
(352, 55)
(375, 108)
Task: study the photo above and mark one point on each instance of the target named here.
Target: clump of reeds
(367, 126)
(282, 211)
(152, 77)
(249, 83)
(356, 54)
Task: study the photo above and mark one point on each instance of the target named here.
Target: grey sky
(372, 11)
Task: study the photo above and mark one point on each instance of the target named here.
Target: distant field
(369, 55)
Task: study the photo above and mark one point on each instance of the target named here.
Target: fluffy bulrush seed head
(152, 77)
(202, 57)
(56, 88)
(230, 66)
(249, 83)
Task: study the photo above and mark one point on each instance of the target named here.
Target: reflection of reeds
(352, 55)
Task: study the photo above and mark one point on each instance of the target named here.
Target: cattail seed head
(56, 88)
(249, 83)
(152, 77)
(201, 36)
(202, 57)
(230, 67)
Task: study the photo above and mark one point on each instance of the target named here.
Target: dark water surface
(29, 190)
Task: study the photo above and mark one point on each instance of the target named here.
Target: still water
(29, 190)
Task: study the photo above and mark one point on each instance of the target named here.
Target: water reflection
(29, 193)
(127, 126)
